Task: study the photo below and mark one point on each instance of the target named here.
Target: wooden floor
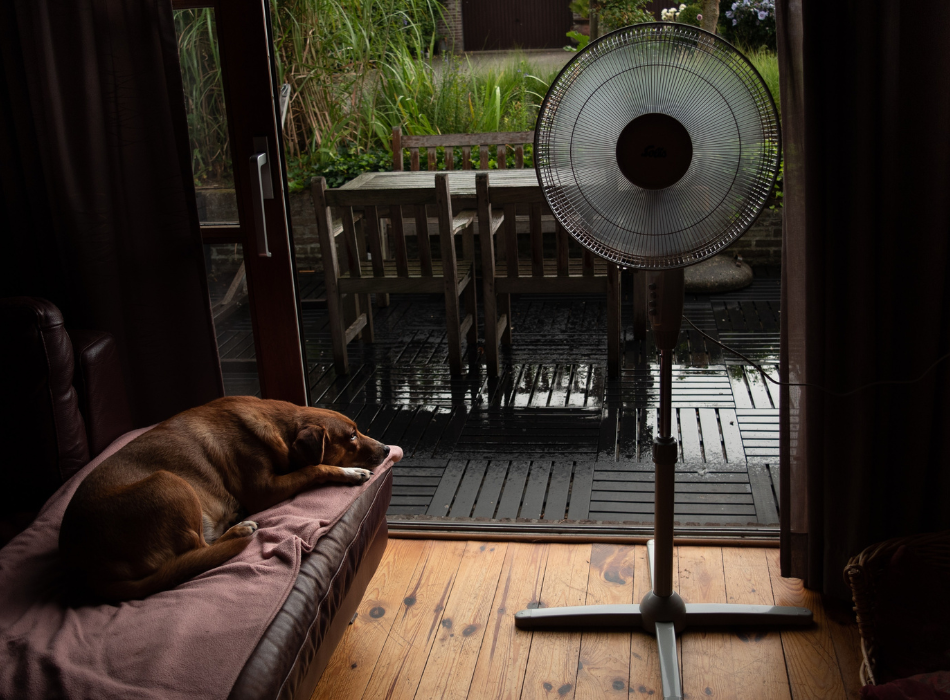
(553, 438)
(437, 622)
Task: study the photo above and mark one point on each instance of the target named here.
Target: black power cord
(817, 386)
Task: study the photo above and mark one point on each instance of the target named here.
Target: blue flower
(762, 15)
(735, 22)
(729, 14)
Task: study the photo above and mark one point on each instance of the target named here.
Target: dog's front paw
(245, 528)
(357, 476)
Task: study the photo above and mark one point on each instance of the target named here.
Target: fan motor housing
(654, 151)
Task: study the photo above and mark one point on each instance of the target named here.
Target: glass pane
(227, 284)
(217, 202)
(207, 118)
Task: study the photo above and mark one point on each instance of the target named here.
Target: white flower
(682, 7)
(735, 22)
(762, 15)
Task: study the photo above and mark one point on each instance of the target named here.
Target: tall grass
(329, 51)
(766, 62)
(204, 95)
(449, 95)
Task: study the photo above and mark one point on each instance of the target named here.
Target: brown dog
(162, 509)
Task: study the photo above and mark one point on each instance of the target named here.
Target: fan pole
(665, 295)
(662, 611)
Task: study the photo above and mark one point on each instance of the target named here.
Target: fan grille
(688, 74)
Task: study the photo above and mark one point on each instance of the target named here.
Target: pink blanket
(189, 642)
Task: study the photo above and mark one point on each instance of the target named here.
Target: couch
(63, 403)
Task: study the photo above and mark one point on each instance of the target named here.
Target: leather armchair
(62, 401)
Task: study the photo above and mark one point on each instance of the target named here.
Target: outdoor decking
(552, 438)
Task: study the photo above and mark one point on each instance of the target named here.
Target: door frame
(252, 100)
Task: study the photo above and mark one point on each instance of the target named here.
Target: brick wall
(450, 27)
(762, 244)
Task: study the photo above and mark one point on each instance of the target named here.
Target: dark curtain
(865, 283)
(98, 205)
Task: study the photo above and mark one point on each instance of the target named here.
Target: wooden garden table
(461, 182)
(461, 187)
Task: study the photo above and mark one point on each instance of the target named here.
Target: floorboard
(438, 622)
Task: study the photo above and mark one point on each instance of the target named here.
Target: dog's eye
(353, 436)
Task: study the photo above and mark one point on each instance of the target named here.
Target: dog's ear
(309, 444)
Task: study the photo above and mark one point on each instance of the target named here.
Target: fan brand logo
(652, 151)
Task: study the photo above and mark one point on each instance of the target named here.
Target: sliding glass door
(233, 101)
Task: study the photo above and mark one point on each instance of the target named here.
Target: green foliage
(690, 14)
(749, 23)
(615, 14)
(204, 96)
(349, 163)
(766, 62)
(582, 41)
(357, 68)
(581, 7)
(329, 51)
(452, 97)
(778, 190)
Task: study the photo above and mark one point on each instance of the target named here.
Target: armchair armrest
(99, 382)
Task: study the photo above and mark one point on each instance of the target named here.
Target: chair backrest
(501, 140)
(509, 199)
(378, 203)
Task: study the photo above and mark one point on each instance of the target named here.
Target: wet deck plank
(553, 436)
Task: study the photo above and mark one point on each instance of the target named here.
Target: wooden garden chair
(563, 274)
(447, 275)
(501, 140)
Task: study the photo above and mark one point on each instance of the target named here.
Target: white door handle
(261, 188)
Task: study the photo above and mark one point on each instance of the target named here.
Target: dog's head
(328, 437)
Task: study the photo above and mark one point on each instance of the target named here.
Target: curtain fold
(98, 196)
(865, 280)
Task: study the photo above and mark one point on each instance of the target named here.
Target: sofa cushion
(281, 661)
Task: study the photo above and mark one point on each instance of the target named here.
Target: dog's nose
(385, 450)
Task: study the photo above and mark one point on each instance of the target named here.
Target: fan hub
(654, 151)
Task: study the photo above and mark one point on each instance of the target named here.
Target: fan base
(650, 616)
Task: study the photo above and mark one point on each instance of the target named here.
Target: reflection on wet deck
(552, 438)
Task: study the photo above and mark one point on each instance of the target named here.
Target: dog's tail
(174, 571)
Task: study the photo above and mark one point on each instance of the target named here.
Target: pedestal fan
(656, 147)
